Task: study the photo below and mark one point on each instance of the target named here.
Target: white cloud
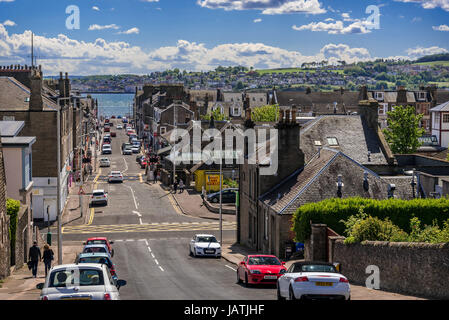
(130, 31)
(442, 27)
(418, 52)
(429, 4)
(102, 57)
(269, 7)
(98, 27)
(9, 23)
(337, 27)
(257, 20)
(95, 8)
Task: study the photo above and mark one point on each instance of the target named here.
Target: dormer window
(379, 96)
(421, 96)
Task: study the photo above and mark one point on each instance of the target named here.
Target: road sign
(81, 191)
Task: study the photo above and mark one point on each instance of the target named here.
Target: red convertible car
(104, 241)
(260, 269)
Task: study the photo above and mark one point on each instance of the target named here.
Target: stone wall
(5, 255)
(22, 236)
(418, 269)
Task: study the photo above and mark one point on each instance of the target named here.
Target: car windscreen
(101, 260)
(94, 249)
(98, 194)
(315, 268)
(207, 239)
(96, 242)
(264, 261)
(76, 277)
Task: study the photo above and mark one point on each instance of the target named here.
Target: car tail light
(107, 296)
(344, 280)
(45, 298)
(301, 279)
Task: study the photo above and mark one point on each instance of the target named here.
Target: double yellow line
(92, 210)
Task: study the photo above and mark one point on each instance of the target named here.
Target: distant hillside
(434, 57)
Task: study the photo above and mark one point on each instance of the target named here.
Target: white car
(99, 197)
(127, 151)
(313, 280)
(119, 127)
(135, 149)
(105, 163)
(107, 149)
(115, 176)
(86, 281)
(205, 245)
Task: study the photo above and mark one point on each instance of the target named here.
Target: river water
(110, 104)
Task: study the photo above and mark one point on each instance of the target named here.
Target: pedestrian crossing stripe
(152, 227)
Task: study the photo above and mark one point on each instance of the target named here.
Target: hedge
(12, 209)
(332, 211)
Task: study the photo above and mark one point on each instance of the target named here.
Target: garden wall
(418, 269)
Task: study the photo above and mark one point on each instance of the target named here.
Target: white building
(440, 123)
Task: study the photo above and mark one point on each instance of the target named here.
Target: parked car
(205, 245)
(113, 134)
(100, 258)
(143, 164)
(80, 282)
(125, 120)
(115, 176)
(107, 120)
(106, 149)
(119, 127)
(101, 240)
(99, 197)
(135, 149)
(314, 280)
(260, 269)
(113, 117)
(105, 163)
(127, 151)
(119, 117)
(124, 145)
(228, 196)
(107, 139)
(107, 129)
(139, 158)
(94, 248)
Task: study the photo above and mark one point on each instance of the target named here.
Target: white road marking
(126, 164)
(135, 212)
(146, 242)
(140, 220)
(161, 268)
(157, 262)
(149, 249)
(129, 240)
(152, 255)
(230, 268)
(134, 198)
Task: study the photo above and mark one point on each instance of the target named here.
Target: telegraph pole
(81, 158)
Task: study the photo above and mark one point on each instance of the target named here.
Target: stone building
(5, 255)
(19, 102)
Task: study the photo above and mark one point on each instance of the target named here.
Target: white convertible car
(313, 280)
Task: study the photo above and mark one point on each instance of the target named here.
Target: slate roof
(442, 96)
(442, 107)
(11, 128)
(320, 102)
(14, 96)
(317, 181)
(354, 138)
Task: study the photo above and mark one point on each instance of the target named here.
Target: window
(446, 118)
(421, 96)
(81, 277)
(379, 96)
(9, 118)
(332, 141)
(437, 119)
(318, 143)
(266, 225)
(163, 130)
(383, 108)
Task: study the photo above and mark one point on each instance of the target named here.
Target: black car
(228, 196)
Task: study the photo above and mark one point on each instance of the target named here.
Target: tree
(267, 113)
(218, 116)
(403, 130)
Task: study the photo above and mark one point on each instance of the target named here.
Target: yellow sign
(213, 180)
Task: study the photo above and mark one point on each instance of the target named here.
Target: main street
(151, 240)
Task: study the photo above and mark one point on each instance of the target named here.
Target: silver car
(105, 163)
(80, 282)
(115, 176)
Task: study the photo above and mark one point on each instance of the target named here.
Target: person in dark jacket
(34, 256)
(48, 257)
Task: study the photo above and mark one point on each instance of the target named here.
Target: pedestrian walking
(181, 186)
(175, 186)
(155, 176)
(34, 256)
(48, 257)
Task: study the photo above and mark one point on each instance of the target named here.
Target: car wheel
(279, 296)
(291, 294)
(112, 253)
(238, 277)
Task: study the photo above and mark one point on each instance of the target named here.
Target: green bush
(12, 209)
(334, 212)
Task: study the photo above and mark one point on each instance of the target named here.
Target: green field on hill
(433, 63)
(291, 70)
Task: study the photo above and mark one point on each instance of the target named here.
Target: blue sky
(140, 36)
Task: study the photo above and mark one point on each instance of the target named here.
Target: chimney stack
(36, 103)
